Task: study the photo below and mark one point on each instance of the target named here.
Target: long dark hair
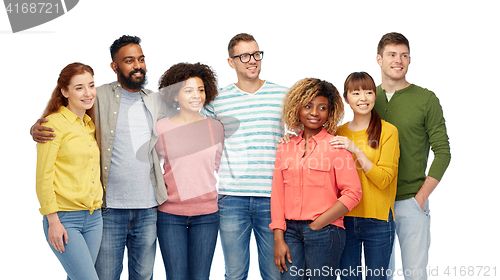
(362, 80)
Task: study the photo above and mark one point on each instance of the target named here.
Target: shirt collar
(117, 84)
(318, 137)
(71, 117)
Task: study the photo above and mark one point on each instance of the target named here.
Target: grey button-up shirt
(106, 108)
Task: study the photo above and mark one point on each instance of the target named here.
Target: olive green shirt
(418, 116)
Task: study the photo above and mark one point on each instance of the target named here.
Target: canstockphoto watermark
(448, 271)
(25, 14)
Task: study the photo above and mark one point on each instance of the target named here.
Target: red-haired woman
(68, 182)
(375, 146)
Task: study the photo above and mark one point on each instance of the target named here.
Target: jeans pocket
(376, 221)
(61, 214)
(105, 211)
(425, 211)
(221, 197)
(317, 230)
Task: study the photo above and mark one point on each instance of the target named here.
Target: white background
(454, 50)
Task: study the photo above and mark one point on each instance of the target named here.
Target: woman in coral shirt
(314, 185)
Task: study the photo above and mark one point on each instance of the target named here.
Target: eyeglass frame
(251, 55)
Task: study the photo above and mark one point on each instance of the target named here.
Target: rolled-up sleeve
(278, 195)
(347, 179)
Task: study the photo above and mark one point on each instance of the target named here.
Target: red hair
(57, 99)
(362, 80)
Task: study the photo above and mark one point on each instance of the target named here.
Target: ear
(230, 62)
(65, 93)
(379, 60)
(114, 66)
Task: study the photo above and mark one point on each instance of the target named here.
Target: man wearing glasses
(250, 111)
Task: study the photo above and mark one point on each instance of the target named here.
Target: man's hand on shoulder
(41, 134)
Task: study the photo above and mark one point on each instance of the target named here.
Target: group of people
(120, 166)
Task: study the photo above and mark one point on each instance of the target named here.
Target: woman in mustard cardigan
(375, 146)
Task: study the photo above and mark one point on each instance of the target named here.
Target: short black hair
(122, 42)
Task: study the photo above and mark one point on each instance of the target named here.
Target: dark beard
(129, 83)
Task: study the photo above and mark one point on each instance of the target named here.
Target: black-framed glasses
(246, 57)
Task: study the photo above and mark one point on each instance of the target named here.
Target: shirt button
(111, 131)
(114, 113)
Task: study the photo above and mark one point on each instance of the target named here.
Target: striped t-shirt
(252, 127)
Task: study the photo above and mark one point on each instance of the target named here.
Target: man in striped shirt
(250, 111)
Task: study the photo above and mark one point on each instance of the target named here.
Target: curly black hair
(173, 79)
(305, 90)
(121, 42)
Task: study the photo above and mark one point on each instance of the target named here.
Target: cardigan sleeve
(385, 170)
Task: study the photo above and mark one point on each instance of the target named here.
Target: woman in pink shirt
(314, 185)
(191, 147)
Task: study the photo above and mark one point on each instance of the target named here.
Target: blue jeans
(414, 235)
(377, 238)
(239, 215)
(315, 253)
(84, 238)
(131, 228)
(187, 244)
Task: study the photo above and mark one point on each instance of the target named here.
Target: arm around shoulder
(385, 170)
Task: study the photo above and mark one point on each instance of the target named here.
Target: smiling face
(245, 71)
(361, 101)
(191, 96)
(394, 62)
(130, 66)
(314, 115)
(80, 93)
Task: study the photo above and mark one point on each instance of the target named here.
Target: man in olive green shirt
(418, 116)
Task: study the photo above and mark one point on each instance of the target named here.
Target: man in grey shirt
(125, 118)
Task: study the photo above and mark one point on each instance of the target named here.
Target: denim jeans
(414, 235)
(84, 238)
(131, 228)
(377, 239)
(315, 253)
(187, 244)
(239, 215)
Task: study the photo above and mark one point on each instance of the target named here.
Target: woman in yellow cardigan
(68, 182)
(375, 146)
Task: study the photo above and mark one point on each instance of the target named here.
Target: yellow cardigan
(68, 170)
(380, 183)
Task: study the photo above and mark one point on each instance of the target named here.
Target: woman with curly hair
(375, 146)
(314, 184)
(191, 147)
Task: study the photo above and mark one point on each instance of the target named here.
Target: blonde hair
(303, 92)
